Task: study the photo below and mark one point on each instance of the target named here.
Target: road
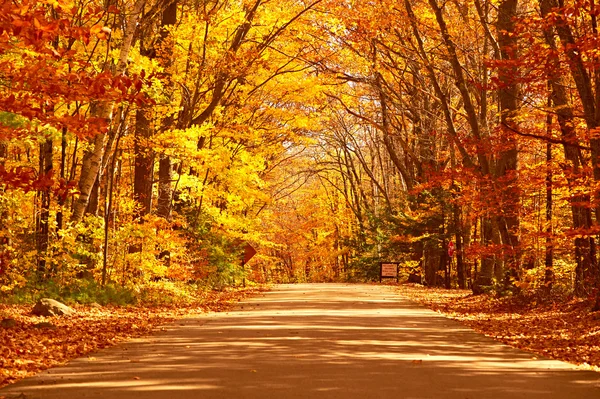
(314, 341)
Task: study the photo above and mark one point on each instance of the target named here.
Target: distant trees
(457, 95)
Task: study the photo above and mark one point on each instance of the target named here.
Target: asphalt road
(314, 341)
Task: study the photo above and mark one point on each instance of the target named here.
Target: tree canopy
(151, 140)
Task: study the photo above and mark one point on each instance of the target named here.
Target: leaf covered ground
(26, 347)
(555, 327)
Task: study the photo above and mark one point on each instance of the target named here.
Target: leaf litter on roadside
(26, 349)
(557, 328)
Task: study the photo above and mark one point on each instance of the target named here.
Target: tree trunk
(93, 159)
(460, 264)
(108, 207)
(165, 166)
(165, 192)
(3, 152)
(94, 198)
(505, 172)
(416, 275)
(90, 169)
(144, 162)
(486, 271)
(43, 234)
(63, 160)
(463, 87)
(442, 97)
(144, 158)
(432, 254)
(223, 78)
(549, 255)
(585, 247)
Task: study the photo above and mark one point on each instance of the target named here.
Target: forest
(144, 144)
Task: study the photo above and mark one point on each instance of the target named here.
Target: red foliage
(50, 81)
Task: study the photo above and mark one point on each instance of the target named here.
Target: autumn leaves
(160, 121)
(331, 135)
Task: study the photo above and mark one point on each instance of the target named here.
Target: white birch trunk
(93, 159)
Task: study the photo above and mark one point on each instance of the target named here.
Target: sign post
(388, 270)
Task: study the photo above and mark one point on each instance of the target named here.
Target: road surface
(314, 341)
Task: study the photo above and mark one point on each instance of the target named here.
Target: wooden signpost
(388, 270)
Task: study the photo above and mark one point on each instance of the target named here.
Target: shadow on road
(308, 341)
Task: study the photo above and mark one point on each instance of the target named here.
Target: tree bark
(165, 191)
(43, 234)
(549, 254)
(486, 271)
(461, 84)
(506, 168)
(165, 166)
(585, 247)
(63, 160)
(222, 78)
(93, 159)
(448, 118)
(3, 152)
(144, 162)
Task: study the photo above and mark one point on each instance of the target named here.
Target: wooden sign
(249, 252)
(388, 270)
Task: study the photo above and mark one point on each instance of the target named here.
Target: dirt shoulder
(557, 328)
(30, 344)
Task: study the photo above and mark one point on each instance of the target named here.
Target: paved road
(314, 341)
